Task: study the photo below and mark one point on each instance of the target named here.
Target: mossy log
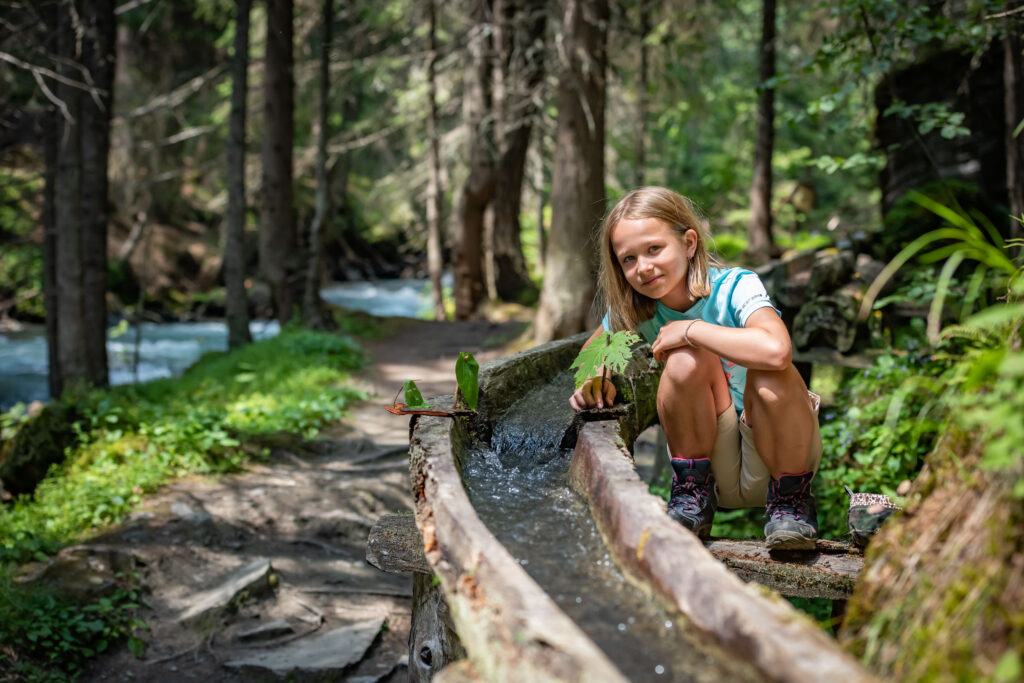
(942, 593)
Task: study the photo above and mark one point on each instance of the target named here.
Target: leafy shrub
(45, 637)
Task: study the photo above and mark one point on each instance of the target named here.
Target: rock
(252, 579)
(325, 655)
(83, 572)
(38, 444)
(273, 629)
(187, 513)
(831, 269)
(828, 321)
(787, 280)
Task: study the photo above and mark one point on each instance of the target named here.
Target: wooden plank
(830, 571)
(660, 553)
(395, 545)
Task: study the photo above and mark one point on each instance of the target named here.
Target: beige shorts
(741, 476)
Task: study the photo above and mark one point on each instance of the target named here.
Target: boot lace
(787, 506)
(690, 495)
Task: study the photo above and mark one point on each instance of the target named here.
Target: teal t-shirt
(735, 294)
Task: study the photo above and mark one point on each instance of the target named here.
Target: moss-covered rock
(39, 443)
(942, 593)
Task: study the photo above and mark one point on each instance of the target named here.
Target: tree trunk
(1013, 86)
(478, 189)
(277, 218)
(51, 142)
(641, 96)
(313, 306)
(518, 40)
(577, 184)
(435, 208)
(237, 308)
(68, 209)
(761, 246)
(99, 57)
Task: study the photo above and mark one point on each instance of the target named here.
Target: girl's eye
(628, 259)
(654, 249)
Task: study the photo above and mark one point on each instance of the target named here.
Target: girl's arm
(764, 343)
(596, 392)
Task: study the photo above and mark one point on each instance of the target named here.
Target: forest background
(178, 159)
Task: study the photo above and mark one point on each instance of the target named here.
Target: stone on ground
(253, 578)
(330, 653)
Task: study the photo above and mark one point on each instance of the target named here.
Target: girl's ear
(690, 242)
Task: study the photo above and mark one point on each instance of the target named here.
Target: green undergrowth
(47, 637)
(131, 439)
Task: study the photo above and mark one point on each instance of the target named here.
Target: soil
(307, 510)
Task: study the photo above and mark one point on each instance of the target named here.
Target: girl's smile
(655, 259)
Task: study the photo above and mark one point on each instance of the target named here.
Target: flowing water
(519, 488)
(168, 349)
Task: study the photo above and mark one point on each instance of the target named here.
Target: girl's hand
(596, 392)
(672, 336)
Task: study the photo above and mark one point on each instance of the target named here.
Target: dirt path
(262, 572)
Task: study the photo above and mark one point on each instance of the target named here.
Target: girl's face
(655, 259)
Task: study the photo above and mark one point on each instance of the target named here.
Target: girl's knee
(773, 387)
(686, 366)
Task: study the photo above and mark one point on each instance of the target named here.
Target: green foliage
(132, 439)
(413, 397)
(964, 237)
(466, 373)
(21, 265)
(609, 351)
(44, 636)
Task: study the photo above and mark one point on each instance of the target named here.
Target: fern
(609, 351)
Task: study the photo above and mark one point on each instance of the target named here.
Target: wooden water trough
(474, 602)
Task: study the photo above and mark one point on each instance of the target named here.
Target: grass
(129, 441)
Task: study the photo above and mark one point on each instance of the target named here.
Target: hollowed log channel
(535, 588)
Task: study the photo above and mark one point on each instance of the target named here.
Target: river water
(168, 349)
(518, 485)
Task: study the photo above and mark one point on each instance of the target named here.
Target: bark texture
(278, 241)
(577, 186)
(762, 245)
(313, 308)
(1013, 94)
(478, 189)
(234, 226)
(434, 196)
(519, 70)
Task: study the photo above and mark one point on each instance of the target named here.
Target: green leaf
(466, 372)
(610, 351)
(413, 397)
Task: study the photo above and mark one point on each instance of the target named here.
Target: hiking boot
(792, 516)
(694, 499)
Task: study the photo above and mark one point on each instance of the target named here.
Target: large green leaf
(466, 372)
(413, 397)
(610, 351)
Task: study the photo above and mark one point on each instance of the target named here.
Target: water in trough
(519, 488)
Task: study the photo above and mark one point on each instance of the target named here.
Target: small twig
(1007, 13)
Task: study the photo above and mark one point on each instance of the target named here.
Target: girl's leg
(692, 393)
(782, 420)
(779, 413)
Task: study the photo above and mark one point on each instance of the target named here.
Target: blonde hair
(628, 307)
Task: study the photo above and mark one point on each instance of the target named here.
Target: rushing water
(520, 491)
(168, 349)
